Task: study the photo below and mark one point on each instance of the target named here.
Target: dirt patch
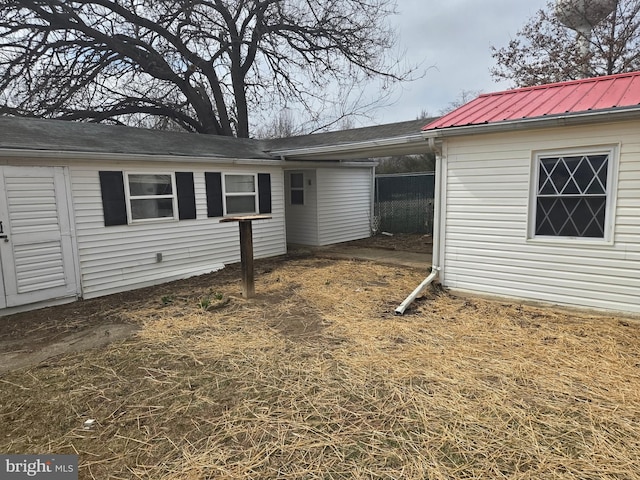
(21, 353)
(316, 378)
(30, 337)
(405, 242)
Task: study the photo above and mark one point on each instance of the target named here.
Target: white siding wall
(344, 204)
(485, 237)
(302, 220)
(118, 258)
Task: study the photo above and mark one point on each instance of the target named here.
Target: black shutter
(264, 192)
(113, 201)
(186, 196)
(213, 182)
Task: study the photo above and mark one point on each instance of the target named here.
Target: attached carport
(405, 138)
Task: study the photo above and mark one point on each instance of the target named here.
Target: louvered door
(37, 254)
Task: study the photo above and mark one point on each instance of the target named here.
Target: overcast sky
(452, 40)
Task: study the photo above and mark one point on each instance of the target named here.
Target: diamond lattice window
(571, 199)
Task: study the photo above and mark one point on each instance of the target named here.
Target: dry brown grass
(317, 379)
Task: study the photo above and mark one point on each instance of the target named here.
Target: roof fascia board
(117, 157)
(358, 148)
(121, 157)
(302, 164)
(541, 122)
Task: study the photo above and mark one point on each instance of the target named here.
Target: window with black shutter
(129, 197)
(237, 194)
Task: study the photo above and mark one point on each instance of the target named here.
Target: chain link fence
(404, 203)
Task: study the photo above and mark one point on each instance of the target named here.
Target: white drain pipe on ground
(435, 254)
(425, 283)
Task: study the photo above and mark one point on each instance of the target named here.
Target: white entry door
(36, 249)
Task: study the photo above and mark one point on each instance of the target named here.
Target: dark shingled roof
(63, 136)
(354, 135)
(58, 135)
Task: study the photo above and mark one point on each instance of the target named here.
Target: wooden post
(246, 258)
(246, 250)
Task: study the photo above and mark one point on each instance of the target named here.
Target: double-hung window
(150, 196)
(240, 194)
(573, 195)
(297, 188)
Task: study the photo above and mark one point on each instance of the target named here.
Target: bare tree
(420, 163)
(283, 125)
(465, 96)
(202, 65)
(546, 51)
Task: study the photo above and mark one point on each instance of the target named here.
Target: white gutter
(128, 157)
(366, 148)
(435, 254)
(293, 164)
(372, 204)
(74, 155)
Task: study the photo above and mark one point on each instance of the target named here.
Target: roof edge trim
(576, 81)
(119, 157)
(353, 147)
(617, 114)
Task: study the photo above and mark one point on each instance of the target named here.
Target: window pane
(545, 183)
(543, 224)
(577, 175)
(241, 204)
(297, 197)
(584, 176)
(297, 180)
(151, 208)
(239, 183)
(559, 175)
(600, 164)
(596, 228)
(571, 217)
(598, 161)
(149, 185)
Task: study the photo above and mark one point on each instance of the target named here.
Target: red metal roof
(586, 95)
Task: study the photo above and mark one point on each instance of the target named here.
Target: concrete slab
(391, 257)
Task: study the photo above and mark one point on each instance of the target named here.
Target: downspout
(435, 269)
(372, 208)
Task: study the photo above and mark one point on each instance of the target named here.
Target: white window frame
(611, 194)
(129, 197)
(226, 194)
(296, 189)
